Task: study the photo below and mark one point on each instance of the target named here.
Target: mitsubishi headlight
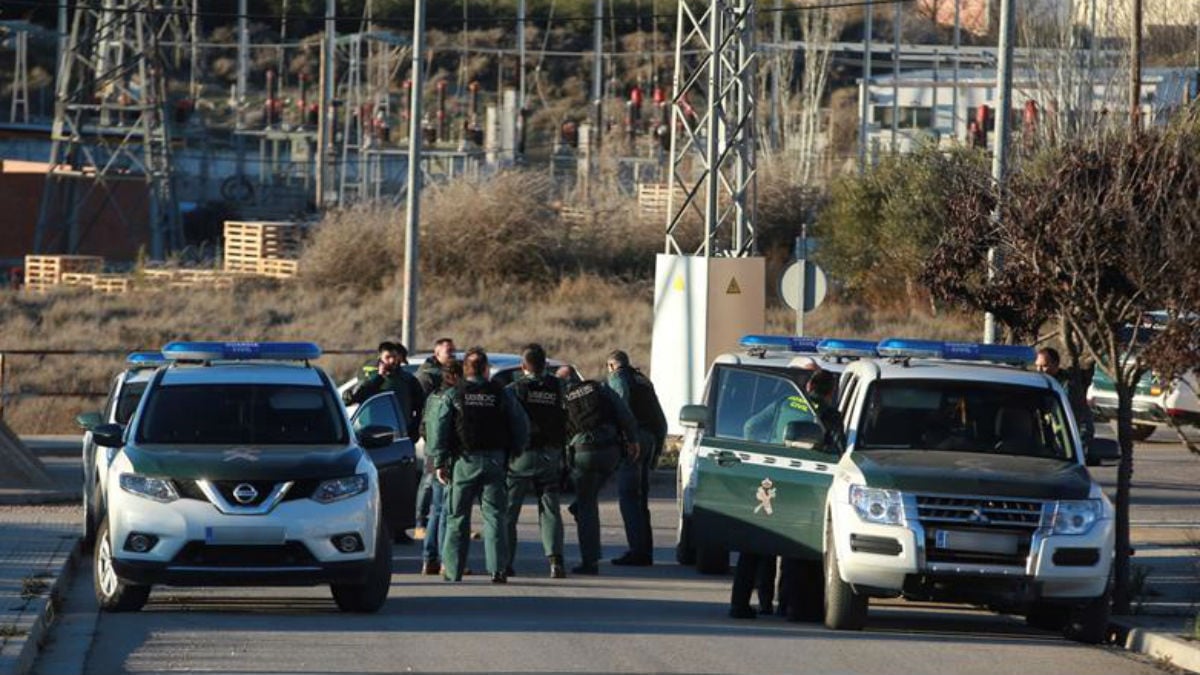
(337, 489)
(1076, 517)
(157, 489)
(873, 505)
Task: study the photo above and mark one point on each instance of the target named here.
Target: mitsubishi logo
(977, 516)
(245, 493)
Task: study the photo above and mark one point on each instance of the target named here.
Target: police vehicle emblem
(765, 495)
(245, 493)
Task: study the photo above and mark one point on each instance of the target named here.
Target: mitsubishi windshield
(965, 416)
(241, 414)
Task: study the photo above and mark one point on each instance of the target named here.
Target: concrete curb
(18, 497)
(1158, 645)
(46, 609)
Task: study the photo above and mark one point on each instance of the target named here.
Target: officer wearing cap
(487, 424)
(633, 475)
(599, 425)
(538, 469)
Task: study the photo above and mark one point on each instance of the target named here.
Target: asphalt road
(660, 619)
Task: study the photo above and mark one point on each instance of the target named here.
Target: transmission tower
(712, 172)
(111, 125)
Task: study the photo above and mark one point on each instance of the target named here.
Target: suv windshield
(127, 403)
(967, 417)
(245, 414)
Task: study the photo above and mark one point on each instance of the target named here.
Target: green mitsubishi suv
(962, 480)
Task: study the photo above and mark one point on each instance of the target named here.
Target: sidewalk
(38, 545)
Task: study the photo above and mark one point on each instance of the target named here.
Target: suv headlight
(1076, 517)
(337, 489)
(157, 489)
(873, 505)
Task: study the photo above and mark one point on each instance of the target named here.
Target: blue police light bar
(800, 345)
(956, 351)
(241, 351)
(838, 347)
(145, 360)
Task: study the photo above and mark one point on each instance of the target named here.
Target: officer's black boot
(557, 571)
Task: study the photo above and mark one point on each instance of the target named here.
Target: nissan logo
(245, 493)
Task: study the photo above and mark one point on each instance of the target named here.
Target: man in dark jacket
(389, 375)
(633, 475)
(429, 373)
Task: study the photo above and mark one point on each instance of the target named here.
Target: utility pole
(413, 220)
(325, 122)
(957, 63)
(896, 29)
(521, 55)
(864, 102)
(598, 70)
(1135, 72)
(1000, 151)
(776, 74)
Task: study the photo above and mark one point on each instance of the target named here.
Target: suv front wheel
(112, 593)
(369, 597)
(844, 609)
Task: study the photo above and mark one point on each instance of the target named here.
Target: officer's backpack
(480, 423)
(543, 402)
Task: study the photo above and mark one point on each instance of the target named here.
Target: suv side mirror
(108, 435)
(376, 436)
(694, 416)
(802, 434)
(88, 420)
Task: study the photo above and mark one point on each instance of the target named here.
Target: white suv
(241, 467)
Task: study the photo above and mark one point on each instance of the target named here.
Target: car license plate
(244, 536)
(978, 542)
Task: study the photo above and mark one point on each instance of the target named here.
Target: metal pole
(243, 59)
(776, 74)
(896, 28)
(1000, 152)
(598, 70)
(864, 103)
(412, 222)
(325, 122)
(1135, 72)
(63, 31)
(957, 60)
(802, 258)
(521, 54)
(713, 127)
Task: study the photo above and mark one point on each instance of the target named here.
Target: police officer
(821, 387)
(538, 469)
(633, 475)
(599, 424)
(435, 533)
(429, 373)
(487, 424)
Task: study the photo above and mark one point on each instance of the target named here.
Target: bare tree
(1100, 231)
(820, 26)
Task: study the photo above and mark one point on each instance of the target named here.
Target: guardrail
(7, 354)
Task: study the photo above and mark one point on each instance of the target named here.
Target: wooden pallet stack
(265, 248)
(653, 199)
(44, 271)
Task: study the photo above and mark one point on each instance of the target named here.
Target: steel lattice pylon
(110, 123)
(712, 171)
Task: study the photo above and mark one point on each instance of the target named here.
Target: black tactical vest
(587, 407)
(481, 423)
(543, 402)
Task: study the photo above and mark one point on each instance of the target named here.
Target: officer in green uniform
(821, 388)
(599, 424)
(487, 424)
(435, 533)
(538, 470)
(633, 475)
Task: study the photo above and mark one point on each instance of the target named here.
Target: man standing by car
(389, 375)
(429, 374)
(633, 475)
(478, 427)
(1074, 382)
(539, 469)
(598, 425)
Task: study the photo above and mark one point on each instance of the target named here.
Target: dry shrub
(354, 248)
